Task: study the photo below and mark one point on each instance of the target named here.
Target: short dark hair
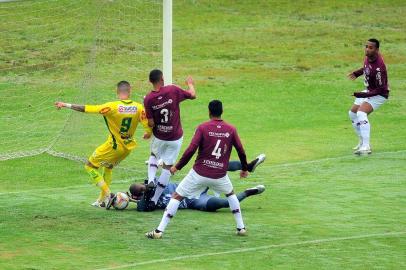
(123, 86)
(155, 76)
(216, 108)
(374, 40)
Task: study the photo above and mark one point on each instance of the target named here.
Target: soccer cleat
(110, 200)
(363, 150)
(255, 190)
(150, 186)
(153, 235)
(241, 232)
(98, 204)
(258, 160)
(355, 148)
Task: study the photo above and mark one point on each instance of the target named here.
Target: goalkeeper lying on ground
(206, 202)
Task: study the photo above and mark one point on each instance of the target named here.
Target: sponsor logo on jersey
(105, 110)
(127, 109)
(219, 134)
(159, 106)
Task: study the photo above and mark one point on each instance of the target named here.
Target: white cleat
(241, 232)
(153, 235)
(261, 158)
(363, 151)
(98, 204)
(358, 146)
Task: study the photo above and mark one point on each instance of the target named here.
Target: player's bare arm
(59, 105)
(191, 84)
(243, 174)
(351, 76)
(173, 170)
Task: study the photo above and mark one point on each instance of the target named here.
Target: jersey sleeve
(144, 120)
(103, 109)
(240, 150)
(358, 72)
(182, 94)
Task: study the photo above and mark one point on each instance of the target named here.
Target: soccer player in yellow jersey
(122, 118)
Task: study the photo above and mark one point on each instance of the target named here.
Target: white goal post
(167, 41)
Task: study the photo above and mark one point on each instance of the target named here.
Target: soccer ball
(121, 201)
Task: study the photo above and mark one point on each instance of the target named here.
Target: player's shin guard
(152, 168)
(163, 180)
(355, 123)
(107, 176)
(169, 213)
(236, 210)
(365, 128)
(97, 179)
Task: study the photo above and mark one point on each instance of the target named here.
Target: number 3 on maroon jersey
(164, 113)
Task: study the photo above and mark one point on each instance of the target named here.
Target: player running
(163, 113)
(369, 100)
(122, 118)
(214, 139)
(205, 202)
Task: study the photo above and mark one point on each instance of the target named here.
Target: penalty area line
(243, 250)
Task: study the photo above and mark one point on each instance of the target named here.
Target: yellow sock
(98, 180)
(107, 176)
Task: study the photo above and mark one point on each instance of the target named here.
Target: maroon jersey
(215, 140)
(163, 107)
(376, 78)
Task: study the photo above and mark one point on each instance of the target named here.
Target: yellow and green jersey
(122, 118)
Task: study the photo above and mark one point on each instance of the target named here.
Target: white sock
(163, 180)
(152, 168)
(365, 128)
(169, 213)
(355, 124)
(235, 209)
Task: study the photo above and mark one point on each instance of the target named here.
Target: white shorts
(168, 151)
(375, 101)
(194, 184)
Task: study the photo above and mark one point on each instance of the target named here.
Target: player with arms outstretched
(369, 100)
(214, 139)
(163, 113)
(122, 118)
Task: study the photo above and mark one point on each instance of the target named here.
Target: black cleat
(110, 201)
(255, 190)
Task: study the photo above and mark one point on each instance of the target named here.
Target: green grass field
(280, 69)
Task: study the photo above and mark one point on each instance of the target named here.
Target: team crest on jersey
(127, 109)
(367, 70)
(105, 110)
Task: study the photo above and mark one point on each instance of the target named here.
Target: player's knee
(352, 115)
(89, 165)
(362, 115)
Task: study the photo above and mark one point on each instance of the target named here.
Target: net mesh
(74, 51)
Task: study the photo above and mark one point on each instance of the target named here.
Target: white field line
(298, 163)
(243, 250)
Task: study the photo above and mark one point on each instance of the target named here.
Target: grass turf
(280, 70)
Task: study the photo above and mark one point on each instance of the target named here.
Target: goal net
(73, 51)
